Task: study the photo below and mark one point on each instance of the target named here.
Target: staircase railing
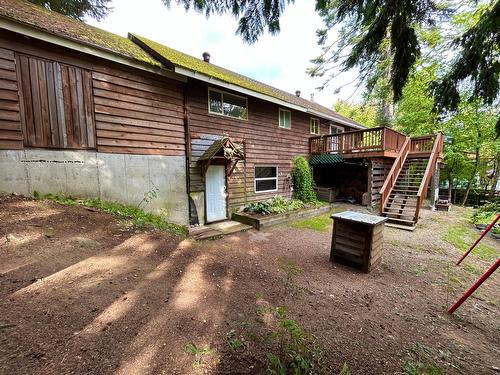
(392, 177)
(429, 171)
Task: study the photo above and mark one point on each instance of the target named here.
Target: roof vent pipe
(297, 93)
(312, 97)
(206, 57)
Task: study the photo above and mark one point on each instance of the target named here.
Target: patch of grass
(463, 237)
(137, 217)
(472, 268)
(420, 368)
(420, 361)
(201, 354)
(234, 342)
(419, 270)
(321, 223)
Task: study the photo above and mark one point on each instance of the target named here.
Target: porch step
(401, 221)
(215, 230)
(410, 228)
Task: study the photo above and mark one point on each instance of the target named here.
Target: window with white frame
(266, 179)
(314, 126)
(335, 129)
(226, 104)
(285, 118)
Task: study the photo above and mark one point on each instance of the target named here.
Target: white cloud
(279, 60)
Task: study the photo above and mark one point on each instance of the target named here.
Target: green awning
(325, 159)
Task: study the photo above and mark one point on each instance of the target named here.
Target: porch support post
(434, 186)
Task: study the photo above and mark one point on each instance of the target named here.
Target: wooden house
(89, 113)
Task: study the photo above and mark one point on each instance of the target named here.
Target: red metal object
(476, 285)
(479, 239)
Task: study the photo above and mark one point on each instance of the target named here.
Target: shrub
(486, 214)
(277, 205)
(302, 180)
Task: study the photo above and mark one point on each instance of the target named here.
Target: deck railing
(357, 141)
(392, 177)
(422, 144)
(436, 150)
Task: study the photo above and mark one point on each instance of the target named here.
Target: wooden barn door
(56, 101)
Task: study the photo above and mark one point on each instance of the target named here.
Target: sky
(280, 61)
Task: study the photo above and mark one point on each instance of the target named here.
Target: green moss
(463, 237)
(69, 28)
(197, 65)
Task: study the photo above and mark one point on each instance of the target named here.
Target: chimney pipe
(312, 97)
(297, 93)
(206, 57)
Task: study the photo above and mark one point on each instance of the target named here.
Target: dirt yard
(81, 293)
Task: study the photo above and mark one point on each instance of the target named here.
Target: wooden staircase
(405, 187)
(401, 206)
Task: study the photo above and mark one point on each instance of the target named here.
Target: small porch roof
(322, 159)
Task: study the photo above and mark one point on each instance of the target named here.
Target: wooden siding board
(125, 121)
(45, 132)
(88, 107)
(11, 136)
(52, 106)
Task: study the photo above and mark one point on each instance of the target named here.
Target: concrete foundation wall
(88, 174)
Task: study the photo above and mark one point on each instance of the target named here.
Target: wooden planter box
(326, 194)
(357, 239)
(261, 222)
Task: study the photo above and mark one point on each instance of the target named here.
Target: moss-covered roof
(143, 50)
(54, 23)
(180, 59)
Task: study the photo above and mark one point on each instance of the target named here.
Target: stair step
(399, 191)
(407, 203)
(398, 226)
(405, 209)
(402, 221)
(410, 186)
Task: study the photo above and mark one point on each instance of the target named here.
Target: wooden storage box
(357, 239)
(326, 194)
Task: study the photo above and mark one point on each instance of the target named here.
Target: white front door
(215, 190)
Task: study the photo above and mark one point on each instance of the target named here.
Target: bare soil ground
(80, 293)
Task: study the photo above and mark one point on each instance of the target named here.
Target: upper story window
(335, 129)
(314, 126)
(285, 119)
(226, 104)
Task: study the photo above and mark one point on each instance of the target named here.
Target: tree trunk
(496, 175)
(450, 183)
(472, 177)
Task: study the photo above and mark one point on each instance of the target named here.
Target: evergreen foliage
(78, 9)
(303, 180)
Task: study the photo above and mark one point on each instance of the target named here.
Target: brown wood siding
(377, 173)
(56, 102)
(134, 111)
(138, 115)
(11, 136)
(266, 144)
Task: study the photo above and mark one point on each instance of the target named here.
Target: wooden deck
(370, 143)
